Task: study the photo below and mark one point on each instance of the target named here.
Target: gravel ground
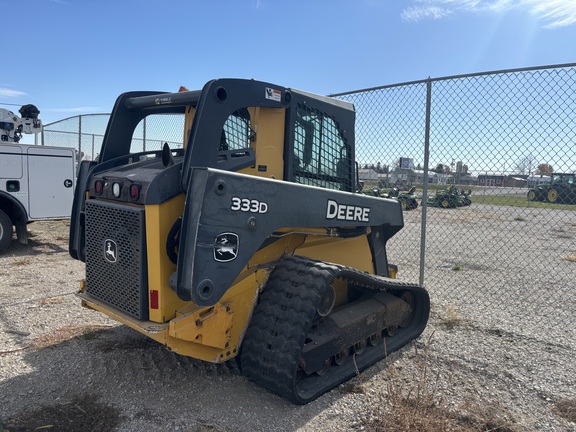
(53, 350)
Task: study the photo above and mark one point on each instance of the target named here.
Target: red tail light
(154, 299)
(135, 191)
(99, 187)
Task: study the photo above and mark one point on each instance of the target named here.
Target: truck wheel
(532, 195)
(5, 231)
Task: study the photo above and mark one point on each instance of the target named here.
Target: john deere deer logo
(226, 247)
(110, 251)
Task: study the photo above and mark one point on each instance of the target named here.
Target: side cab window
(321, 156)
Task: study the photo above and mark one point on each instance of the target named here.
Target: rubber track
(287, 309)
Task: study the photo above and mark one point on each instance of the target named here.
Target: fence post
(144, 135)
(425, 182)
(80, 136)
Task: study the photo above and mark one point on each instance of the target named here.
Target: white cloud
(558, 13)
(9, 93)
(554, 13)
(419, 13)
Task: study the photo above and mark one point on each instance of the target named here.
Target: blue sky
(73, 57)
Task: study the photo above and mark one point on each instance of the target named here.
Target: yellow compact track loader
(247, 240)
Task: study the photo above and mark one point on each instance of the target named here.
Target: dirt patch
(64, 334)
(86, 413)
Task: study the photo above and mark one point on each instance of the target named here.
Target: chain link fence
(495, 140)
(82, 132)
(474, 147)
(86, 132)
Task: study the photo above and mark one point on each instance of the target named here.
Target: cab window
(321, 157)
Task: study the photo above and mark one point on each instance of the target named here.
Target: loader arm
(228, 217)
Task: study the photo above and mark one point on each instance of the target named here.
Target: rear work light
(135, 191)
(116, 189)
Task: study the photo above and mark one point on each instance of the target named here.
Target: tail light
(135, 191)
(154, 299)
(99, 187)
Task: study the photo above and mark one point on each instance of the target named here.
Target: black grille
(116, 256)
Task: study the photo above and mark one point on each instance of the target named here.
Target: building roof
(367, 174)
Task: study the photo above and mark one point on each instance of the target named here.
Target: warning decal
(273, 94)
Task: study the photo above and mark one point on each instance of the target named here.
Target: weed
(413, 405)
(452, 318)
(571, 258)
(457, 267)
(51, 301)
(566, 408)
(355, 385)
(487, 416)
(418, 404)
(81, 413)
(21, 261)
(519, 219)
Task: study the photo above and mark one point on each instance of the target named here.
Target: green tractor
(560, 190)
(450, 198)
(407, 199)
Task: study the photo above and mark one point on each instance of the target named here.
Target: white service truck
(36, 182)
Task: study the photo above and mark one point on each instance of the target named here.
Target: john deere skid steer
(247, 239)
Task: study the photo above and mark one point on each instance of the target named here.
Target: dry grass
(21, 261)
(82, 413)
(64, 334)
(571, 258)
(451, 318)
(418, 405)
(51, 301)
(566, 408)
(486, 416)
